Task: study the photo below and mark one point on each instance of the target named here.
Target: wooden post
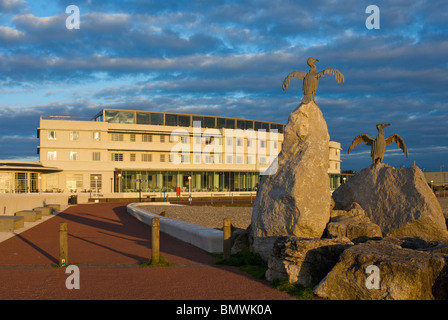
(155, 241)
(226, 238)
(63, 247)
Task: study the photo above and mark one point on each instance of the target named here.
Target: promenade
(107, 244)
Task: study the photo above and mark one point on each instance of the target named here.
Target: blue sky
(229, 58)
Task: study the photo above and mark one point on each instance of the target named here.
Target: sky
(229, 58)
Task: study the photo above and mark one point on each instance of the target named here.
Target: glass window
(96, 136)
(143, 118)
(249, 124)
(111, 116)
(146, 138)
(209, 122)
(241, 124)
(184, 121)
(73, 181)
(157, 119)
(117, 137)
(132, 137)
(51, 135)
(74, 135)
(126, 117)
(146, 157)
(96, 156)
(51, 155)
(171, 119)
(74, 155)
(230, 123)
(162, 138)
(132, 157)
(96, 182)
(220, 123)
(117, 157)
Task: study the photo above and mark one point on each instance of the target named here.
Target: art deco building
(130, 151)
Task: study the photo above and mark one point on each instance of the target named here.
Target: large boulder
(294, 199)
(401, 274)
(398, 200)
(304, 261)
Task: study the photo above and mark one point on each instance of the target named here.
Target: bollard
(155, 241)
(63, 248)
(227, 232)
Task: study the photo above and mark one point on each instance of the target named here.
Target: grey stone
(398, 200)
(295, 199)
(304, 261)
(403, 274)
(352, 224)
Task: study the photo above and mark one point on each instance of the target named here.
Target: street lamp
(344, 179)
(119, 182)
(432, 185)
(189, 187)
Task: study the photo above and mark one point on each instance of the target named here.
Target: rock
(295, 199)
(304, 261)
(240, 240)
(398, 200)
(403, 274)
(352, 224)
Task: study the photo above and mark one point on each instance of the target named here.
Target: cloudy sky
(229, 58)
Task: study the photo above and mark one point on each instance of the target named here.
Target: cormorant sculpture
(378, 145)
(311, 79)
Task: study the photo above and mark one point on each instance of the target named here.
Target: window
(132, 157)
(263, 160)
(146, 138)
(117, 137)
(96, 182)
(229, 160)
(239, 160)
(146, 157)
(239, 142)
(74, 155)
(51, 155)
(96, 136)
(229, 141)
(197, 140)
(250, 160)
(185, 139)
(132, 137)
(117, 157)
(208, 159)
(262, 144)
(162, 158)
(96, 156)
(74, 135)
(162, 139)
(185, 158)
(51, 135)
(74, 181)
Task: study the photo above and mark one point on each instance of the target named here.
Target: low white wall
(208, 239)
(13, 202)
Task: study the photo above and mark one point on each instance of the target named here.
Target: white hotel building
(123, 151)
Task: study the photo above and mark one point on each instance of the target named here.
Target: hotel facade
(128, 152)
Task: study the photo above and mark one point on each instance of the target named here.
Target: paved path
(106, 243)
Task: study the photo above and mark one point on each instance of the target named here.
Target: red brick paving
(107, 243)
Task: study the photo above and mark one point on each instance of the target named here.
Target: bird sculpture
(311, 79)
(378, 145)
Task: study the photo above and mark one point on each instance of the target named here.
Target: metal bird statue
(311, 79)
(378, 145)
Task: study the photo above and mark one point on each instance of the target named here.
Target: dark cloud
(230, 58)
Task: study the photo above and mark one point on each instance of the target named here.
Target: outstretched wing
(361, 138)
(400, 142)
(298, 74)
(332, 72)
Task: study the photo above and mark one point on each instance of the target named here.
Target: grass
(246, 261)
(299, 292)
(162, 263)
(253, 264)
